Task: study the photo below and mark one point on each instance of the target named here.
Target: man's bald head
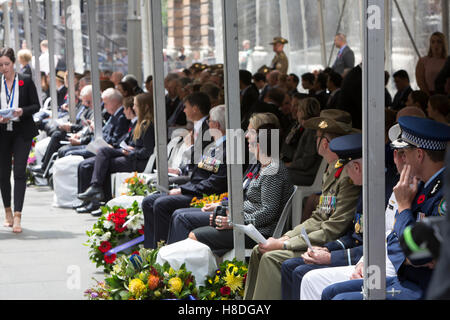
(411, 111)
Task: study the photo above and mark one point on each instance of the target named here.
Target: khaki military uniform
(280, 62)
(329, 221)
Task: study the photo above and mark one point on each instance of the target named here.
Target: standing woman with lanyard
(19, 101)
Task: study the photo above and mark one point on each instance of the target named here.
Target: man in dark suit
(334, 86)
(209, 176)
(197, 107)
(292, 84)
(320, 90)
(401, 80)
(351, 95)
(172, 100)
(61, 89)
(308, 83)
(345, 58)
(113, 132)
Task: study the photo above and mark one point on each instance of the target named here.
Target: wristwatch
(285, 244)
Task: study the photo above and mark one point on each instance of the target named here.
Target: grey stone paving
(47, 261)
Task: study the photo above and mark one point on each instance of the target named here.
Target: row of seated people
(335, 227)
(167, 216)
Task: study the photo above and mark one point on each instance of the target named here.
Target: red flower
(21, 83)
(421, 199)
(153, 271)
(119, 228)
(225, 291)
(105, 246)
(110, 259)
(250, 175)
(141, 231)
(135, 252)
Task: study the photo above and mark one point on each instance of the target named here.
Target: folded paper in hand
(305, 236)
(124, 146)
(252, 232)
(96, 145)
(7, 113)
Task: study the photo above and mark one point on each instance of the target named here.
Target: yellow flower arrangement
(175, 285)
(200, 203)
(137, 287)
(232, 280)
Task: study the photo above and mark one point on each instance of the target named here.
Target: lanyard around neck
(10, 97)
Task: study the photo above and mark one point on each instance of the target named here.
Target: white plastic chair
(306, 191)
(119, 177)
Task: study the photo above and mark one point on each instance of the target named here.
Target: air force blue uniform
(411, 281)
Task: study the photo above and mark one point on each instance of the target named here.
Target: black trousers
(97, 170)
(220, 241)
(53, 146)
(158, 209)
(13, 144)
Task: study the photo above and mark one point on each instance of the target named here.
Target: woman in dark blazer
(306, 160)
(18, 93)
(110, 160)
(267, 195)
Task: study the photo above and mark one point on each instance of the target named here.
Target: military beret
(348, 148)
(422, 133)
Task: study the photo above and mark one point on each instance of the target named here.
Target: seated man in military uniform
(208, 177)
(332, 217)
(419, 194)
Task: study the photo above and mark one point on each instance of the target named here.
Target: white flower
(108, 225)
(106, 236)
(136, 223)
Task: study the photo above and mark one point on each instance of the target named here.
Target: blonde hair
(259, 119)
(25, 55)
(144, 105)
(441, 37)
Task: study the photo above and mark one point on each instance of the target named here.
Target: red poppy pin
(21, 83)
(250, 175)
(421, 199)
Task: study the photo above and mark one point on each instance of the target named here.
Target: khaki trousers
(264, 274)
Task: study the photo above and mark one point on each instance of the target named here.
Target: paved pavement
(47, 261)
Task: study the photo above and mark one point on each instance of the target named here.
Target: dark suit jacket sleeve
(343, 242)
(119, 131)
(346, 257)
(349, 59)
(214, 184)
